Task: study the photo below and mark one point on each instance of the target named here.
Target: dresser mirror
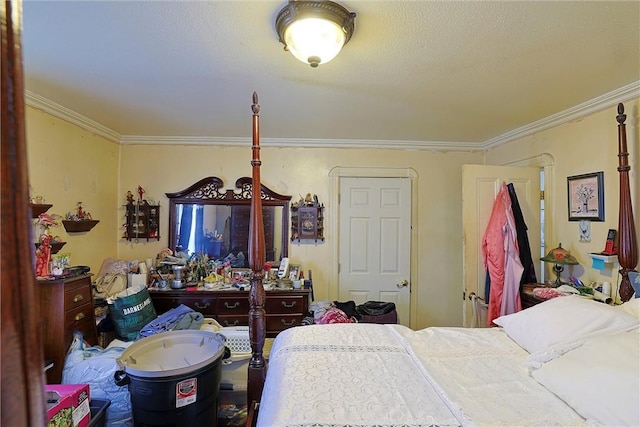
(206, 218)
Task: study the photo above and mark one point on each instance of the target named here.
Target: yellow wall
(298, 171)
(68, 165)
(587, 145)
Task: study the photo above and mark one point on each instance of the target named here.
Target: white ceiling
(415, 73)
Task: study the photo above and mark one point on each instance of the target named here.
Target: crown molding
(625, 93)
(303, 142)
(41, 103)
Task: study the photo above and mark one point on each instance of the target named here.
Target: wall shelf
(142, 221)
(55, 247)
(38, 208)
(602, 262)
(307, 222)
(604, 258)
(79, 226)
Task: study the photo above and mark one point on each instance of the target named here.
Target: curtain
(198, 233)
(185, 228)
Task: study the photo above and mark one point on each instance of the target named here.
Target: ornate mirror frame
(210, 191)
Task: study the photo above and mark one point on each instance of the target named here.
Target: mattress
(389, 375)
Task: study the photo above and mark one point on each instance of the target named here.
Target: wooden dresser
(66, 305)
(284, 308)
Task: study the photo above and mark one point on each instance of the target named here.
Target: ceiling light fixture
(314, 31)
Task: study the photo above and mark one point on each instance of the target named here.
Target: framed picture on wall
(585, 196)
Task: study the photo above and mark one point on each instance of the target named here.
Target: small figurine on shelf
(43, 256)
(140, 193)
(80, 215)
(129, 197)
(44, 223)
(78, 221)
(35, 198)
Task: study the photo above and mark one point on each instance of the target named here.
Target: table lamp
(559, 257)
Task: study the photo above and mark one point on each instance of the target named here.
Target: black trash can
(173, 378)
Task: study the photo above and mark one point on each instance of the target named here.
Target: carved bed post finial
(627, 242)
(257, 325)
(255, 107)
(621, 117)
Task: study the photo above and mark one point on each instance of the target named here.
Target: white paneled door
(480, 184)
(375, 242)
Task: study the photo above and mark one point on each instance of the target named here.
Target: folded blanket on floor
(192, 320)
(170, 321)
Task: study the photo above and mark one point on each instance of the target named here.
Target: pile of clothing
(326, 311)
(178, 318)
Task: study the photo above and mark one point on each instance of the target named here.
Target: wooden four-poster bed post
(627, 242)
(23, 400)
(257, 367)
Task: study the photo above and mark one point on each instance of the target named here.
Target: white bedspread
(340, 375)
(388, 375)
(480, 375)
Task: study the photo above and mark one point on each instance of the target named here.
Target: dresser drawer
(200, 303)
(238, 320)
(76, 297)
(86, 326)
(277, 323)
(77, 315)
(233, 305)
(285, 305)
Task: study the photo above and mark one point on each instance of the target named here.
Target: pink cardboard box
(79, 398)
(59, 411)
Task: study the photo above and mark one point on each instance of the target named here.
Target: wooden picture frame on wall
(585, 197)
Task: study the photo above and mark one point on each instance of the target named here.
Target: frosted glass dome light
(314, 31)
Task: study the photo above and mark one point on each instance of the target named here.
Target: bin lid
(172, 353)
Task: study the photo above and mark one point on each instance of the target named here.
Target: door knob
(403, 284)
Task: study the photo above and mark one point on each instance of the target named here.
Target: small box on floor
(58, 409)
(78, 398)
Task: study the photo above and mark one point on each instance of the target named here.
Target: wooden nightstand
(526, 294)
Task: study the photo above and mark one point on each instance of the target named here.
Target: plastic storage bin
(98, 409)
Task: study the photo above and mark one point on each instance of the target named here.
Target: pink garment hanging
(512, 266)
(501, 258)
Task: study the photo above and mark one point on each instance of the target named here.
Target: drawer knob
(79, 317)
(78, 298)
(201, 306)
(235, 323)
(285, 305)
(291, 323)
(235, 304)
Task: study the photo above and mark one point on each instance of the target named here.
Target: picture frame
(240, 275)
(294, 272)
(585, 197)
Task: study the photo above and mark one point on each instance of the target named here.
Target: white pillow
(600, 380)
(563, 319)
